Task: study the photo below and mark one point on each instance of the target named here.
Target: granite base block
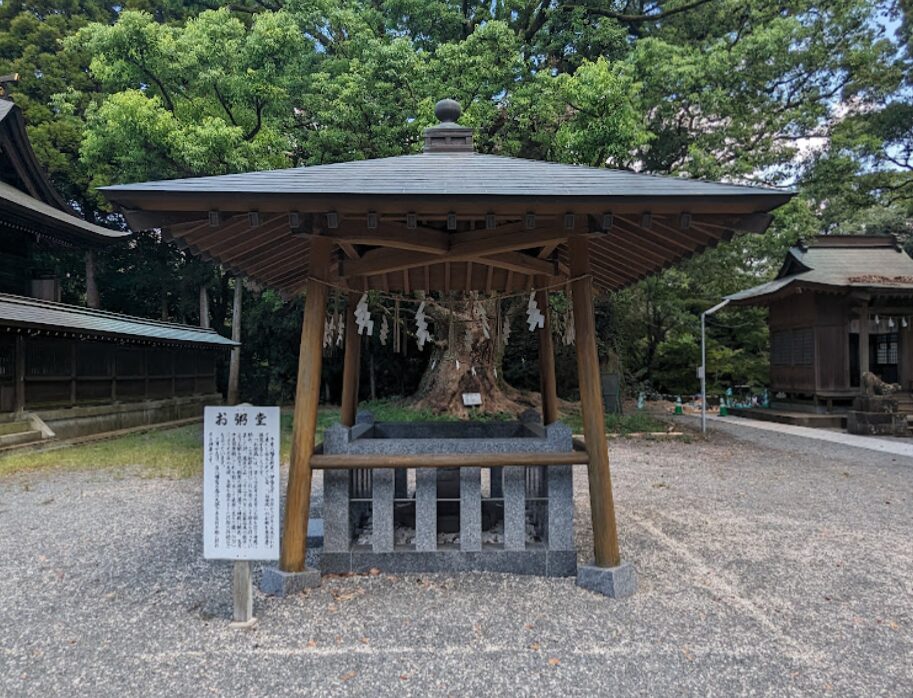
(615, 582)
(276, 582)
(524, 562)
(561, 563)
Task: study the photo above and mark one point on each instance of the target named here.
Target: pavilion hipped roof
(837, 263)
(446, 219)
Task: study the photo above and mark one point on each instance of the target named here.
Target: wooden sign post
(241, 494)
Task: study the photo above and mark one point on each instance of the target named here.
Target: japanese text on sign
(241, 483)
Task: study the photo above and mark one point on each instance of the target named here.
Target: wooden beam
(381, 261)
(605, 534)
(488, 242)
(354, 461)
(351, 362)
(307, 394)
(390, 234)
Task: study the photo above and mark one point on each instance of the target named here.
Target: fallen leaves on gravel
(347, 595)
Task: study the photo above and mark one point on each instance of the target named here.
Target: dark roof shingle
(456, 174)
(32, 312)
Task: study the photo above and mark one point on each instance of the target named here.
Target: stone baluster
(382, 511)
(514, 483)
(470, 509)
(426, 510)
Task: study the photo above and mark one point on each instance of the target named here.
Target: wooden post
(20, 374)
(350, 364)
(242, 594)
(234, 364)
(112, 371)
(605, 534)
(73, 362)
(307, 394)
(863, 343)
(547, 383)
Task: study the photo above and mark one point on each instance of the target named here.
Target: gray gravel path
(767, 567)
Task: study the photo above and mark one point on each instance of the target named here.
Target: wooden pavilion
(841, 306)
(446, 220)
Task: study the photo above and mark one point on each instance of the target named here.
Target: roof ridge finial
(448, 136)
(448, 111)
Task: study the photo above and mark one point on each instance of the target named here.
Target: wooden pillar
(351, 363)
(605, 534)
(112, 371)
(307, 394)
(547, 383)
(73, 364)
(863, 343)
(234, 363)
(20, 374)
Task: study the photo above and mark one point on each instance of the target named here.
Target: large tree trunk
(462, 363)
(92, 300)
(204, 307)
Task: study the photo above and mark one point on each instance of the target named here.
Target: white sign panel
(241, 483)
(472, 399)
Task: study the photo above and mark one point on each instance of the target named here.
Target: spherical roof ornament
(447, 111)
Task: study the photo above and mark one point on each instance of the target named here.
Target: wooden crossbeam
(495, 241)
(382, 261)
(389, 234)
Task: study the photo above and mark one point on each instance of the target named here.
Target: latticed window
(793, 347)
(781, 348)
(886, 349)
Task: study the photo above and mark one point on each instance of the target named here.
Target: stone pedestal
(275, 582)
(615, 582)
(877, 423)
(876, 415)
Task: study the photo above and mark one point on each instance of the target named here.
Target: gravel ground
(766, 566)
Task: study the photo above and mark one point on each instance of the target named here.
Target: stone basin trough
(516, 519)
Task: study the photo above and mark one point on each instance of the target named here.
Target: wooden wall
(832, 343)
(792, 345)
(62, 372)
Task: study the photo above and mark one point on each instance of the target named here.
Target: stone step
(7, 417)
(15, 427)
(22, 437)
